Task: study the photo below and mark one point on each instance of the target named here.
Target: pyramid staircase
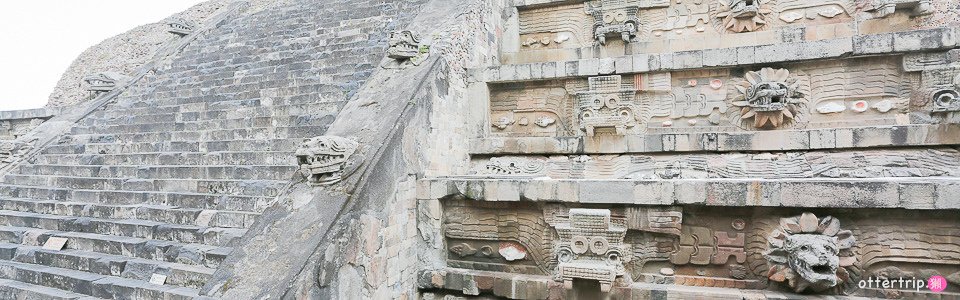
(159, 187)
(154, 184)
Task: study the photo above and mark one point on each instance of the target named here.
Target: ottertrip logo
(934, 283)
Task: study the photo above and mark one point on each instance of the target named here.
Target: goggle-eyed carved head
(323, 158)
(403, 45)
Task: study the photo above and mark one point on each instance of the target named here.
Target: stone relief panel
(942, 162)
(937, 100)
(743, 15)
(795, 11)
(608, 104)
(770, 99)
(556, 27)
(859, 91)
(812, 252)
(829, 94)
(591, 247)
(616, 23)
(13, 129)
(498, 237)
(532, 109)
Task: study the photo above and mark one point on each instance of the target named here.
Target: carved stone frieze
(884, 8)
(405, 50)
(607, 104)
(591, 247)
(810, 253)
(104, 81)
(744, 15)
(181, 27)
(505, 166)
(614, 17)
(771, 98)
(322, 159)
(12, 151)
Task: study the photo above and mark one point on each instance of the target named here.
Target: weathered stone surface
(530, 149)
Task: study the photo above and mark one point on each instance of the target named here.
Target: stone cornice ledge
(520, 286)
(774, 140)
(908, 193)
(861, 45)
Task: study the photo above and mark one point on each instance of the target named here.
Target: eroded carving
(181, 27)
(323, 158)
(744, 15)
(104, 81)
(405, 50)
(13, 151)
(770, 97)
(614, 17)
(607, 105)
(703, 246)
(591, 247)
(810, 253)
(884, 8)
(512, 166)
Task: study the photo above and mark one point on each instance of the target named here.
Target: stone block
(653, 193)
(873, 44)
(948, 195)
(746, 55)
(720, 57)
(624, 64)
(919, 40)
(606, 66)
(688, 59)
(588, 67)
(607, 192)
(641, 63)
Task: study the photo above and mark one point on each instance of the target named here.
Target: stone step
(186, 200)
(268, 188)
(101, 286)
(187, 234)
(167, 251)
(12, 289)
(246, 172)
(156, 213)
(105, 264)
(290, 122)
(250, 133)
(176, 146)
(171, 158)
(164, 114)
(198, 104)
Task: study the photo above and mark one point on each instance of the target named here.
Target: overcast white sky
(40, 38)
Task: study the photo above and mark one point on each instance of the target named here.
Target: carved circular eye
(621, 17)
(613, 102)
(608, 18)
(599, 245)
(580, 245)
(597, 102)
(565, 255)
(613, 257)
(625, 114)
(587, 114)
(805, 248)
